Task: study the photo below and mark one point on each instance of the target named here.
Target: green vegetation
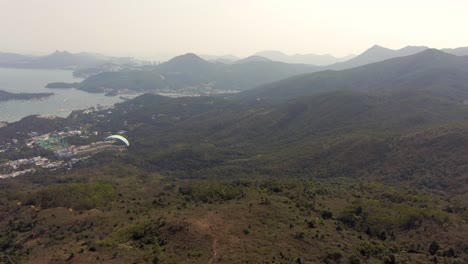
(377, 218)
(146, 218)
(74, 195)
(209, 192)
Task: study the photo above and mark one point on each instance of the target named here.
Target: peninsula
(6, 96)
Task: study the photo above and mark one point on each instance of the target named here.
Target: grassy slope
(253, 221)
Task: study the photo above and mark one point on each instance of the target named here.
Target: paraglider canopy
(119, 137)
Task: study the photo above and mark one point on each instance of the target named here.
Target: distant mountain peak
(433, 53)
(266, 53)
(254, 58)
(378, 53)
(377, 48)
(186, 62)
(408, 48)
(187, 57)
(298, 58)
(415, 47)
(58, 52)
(190, 55)
(461, 51)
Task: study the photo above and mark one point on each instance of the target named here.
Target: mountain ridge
(375, 54)
(191, 71)
(61, 60)
(313, 59)
(427, 70)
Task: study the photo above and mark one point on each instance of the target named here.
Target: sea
(62, 103)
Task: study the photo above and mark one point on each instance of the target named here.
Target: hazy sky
(240, 27)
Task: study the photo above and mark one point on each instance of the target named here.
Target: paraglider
(119, 137)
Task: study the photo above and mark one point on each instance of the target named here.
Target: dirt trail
(211, 224)
(215, 252)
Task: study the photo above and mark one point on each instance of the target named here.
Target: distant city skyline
(157, 29)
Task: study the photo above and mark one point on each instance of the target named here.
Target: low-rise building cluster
(35, 161)
(93, 148)
(15, 174)
(65, 155)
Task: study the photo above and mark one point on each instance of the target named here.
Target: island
(6, 96)
(62, 85)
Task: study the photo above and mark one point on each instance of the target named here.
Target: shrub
(140, 234)
(450, 253)
(353, 259)
(433, 248)
(380, 218)
(327, 215)
(211, 191)
(333, 257)
(389, 259)
(74, 195)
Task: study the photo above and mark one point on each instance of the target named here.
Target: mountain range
(430, 71)
(376, 53)
(61, 60)
(313, 59)
(191, 71)
(83, 60)
(463, 51)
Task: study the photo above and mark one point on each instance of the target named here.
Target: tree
(383, 235)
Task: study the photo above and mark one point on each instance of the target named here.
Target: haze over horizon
(151, 29)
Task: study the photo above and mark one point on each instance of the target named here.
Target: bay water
(34, 81)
